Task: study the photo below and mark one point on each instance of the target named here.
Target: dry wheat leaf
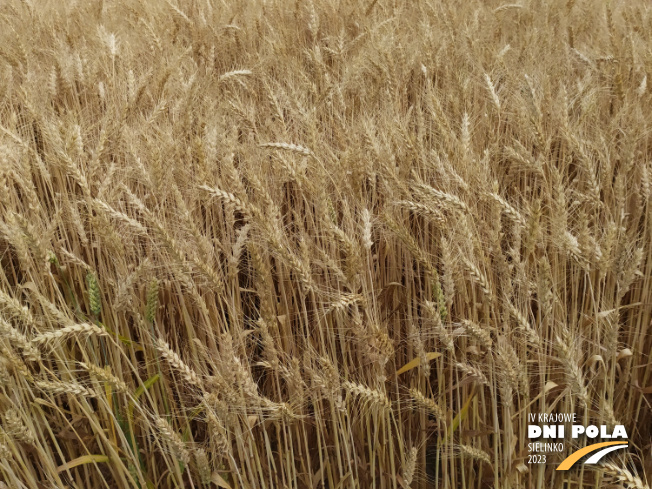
(459, 417)
(316, 478)
(595, 362)
(219, 481)
(416, 361)
(550, 385)
(625, 353)
(85, 459)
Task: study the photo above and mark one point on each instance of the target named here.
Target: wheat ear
(472, 372)
(19, 339)
(177, 444)
(369, 397)
(623, 476)
(294, 148)
(175, 361)
(105, 375)
(83, 329)
(474, 453)
(410, 466)
(427, 404)
(64, 388)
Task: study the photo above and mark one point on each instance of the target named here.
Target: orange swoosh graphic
(574, 457)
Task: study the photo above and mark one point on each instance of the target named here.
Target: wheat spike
(20, 340)
(479, 333)
(508, 209)
(574, 375)
(15, 427)
(294, 148)
(152, 301)
(474, 453)
(175, 361)
(622, 476)
(74, 330)
(94, 298)
(105, 375)
(178, 446)
(479, 278)
(203, 466)
(229, 198)
(492, 91)
(368, 396)
(423, 209)
(448, 200)
(427, 404)
(410, 466)
(472, 372)
(71, 388)
(234, 73)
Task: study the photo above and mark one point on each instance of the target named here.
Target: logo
(603, 449)
(557, 432)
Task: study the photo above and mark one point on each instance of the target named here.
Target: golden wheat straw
(225, 230)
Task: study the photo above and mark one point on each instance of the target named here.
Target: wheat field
(322, 244)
